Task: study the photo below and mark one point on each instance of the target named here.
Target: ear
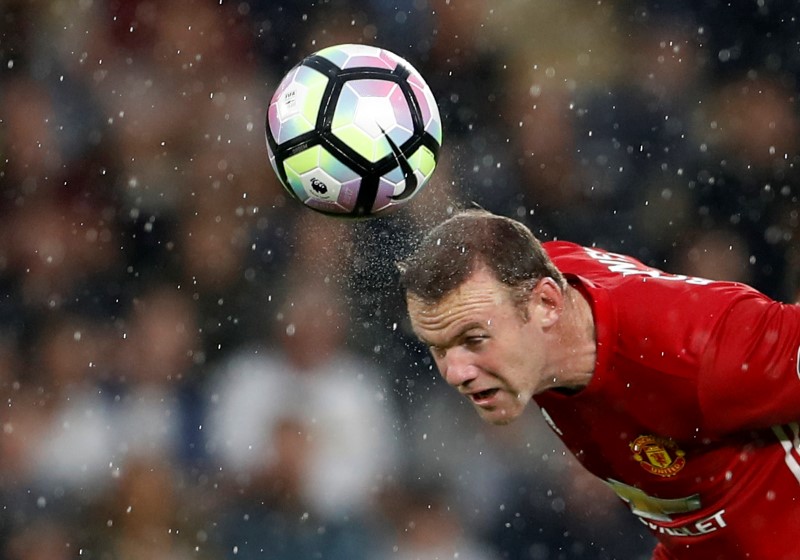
(549, 296)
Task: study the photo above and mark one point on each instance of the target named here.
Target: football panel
(321, 181)
(393, 184)
(357, 56)
(294, 107)
(274, 164)
(431, 120)
(367, 108)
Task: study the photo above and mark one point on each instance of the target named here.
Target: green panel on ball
(359, 141)
(298, 165)
(424, 161)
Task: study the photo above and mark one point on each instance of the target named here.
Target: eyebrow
(457, 335)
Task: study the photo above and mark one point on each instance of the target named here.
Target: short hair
(450, 252)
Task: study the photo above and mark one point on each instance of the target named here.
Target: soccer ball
(353, 131)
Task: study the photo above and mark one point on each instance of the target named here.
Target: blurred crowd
(192, 365)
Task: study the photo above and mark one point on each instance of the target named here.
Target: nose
(457, 367)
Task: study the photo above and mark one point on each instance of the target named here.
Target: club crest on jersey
(658, 455)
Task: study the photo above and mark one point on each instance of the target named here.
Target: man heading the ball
(682, 394)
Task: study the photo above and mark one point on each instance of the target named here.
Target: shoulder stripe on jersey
(790, 445)
(797, 361)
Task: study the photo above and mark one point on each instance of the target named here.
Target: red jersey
(692, 413)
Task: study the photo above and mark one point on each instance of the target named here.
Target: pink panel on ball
(349, 193)
(368, 61)
(372, 88)
(383, 199)
(391, 60)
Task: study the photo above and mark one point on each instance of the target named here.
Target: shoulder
(556, 249)
(573, 258)
(616, 271)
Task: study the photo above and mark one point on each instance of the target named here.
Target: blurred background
(192, 365)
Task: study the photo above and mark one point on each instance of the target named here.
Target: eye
(473, 341)
(437, 352)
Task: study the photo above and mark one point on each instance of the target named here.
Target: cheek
(516, 357)
(514, 345)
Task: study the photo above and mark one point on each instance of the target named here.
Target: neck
(576, 336)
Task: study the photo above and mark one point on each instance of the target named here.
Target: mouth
(483, 398)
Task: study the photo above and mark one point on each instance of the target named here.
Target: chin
(500, 416)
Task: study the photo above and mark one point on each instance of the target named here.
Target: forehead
(477, 300)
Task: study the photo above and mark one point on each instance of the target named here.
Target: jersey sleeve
(750, 376)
